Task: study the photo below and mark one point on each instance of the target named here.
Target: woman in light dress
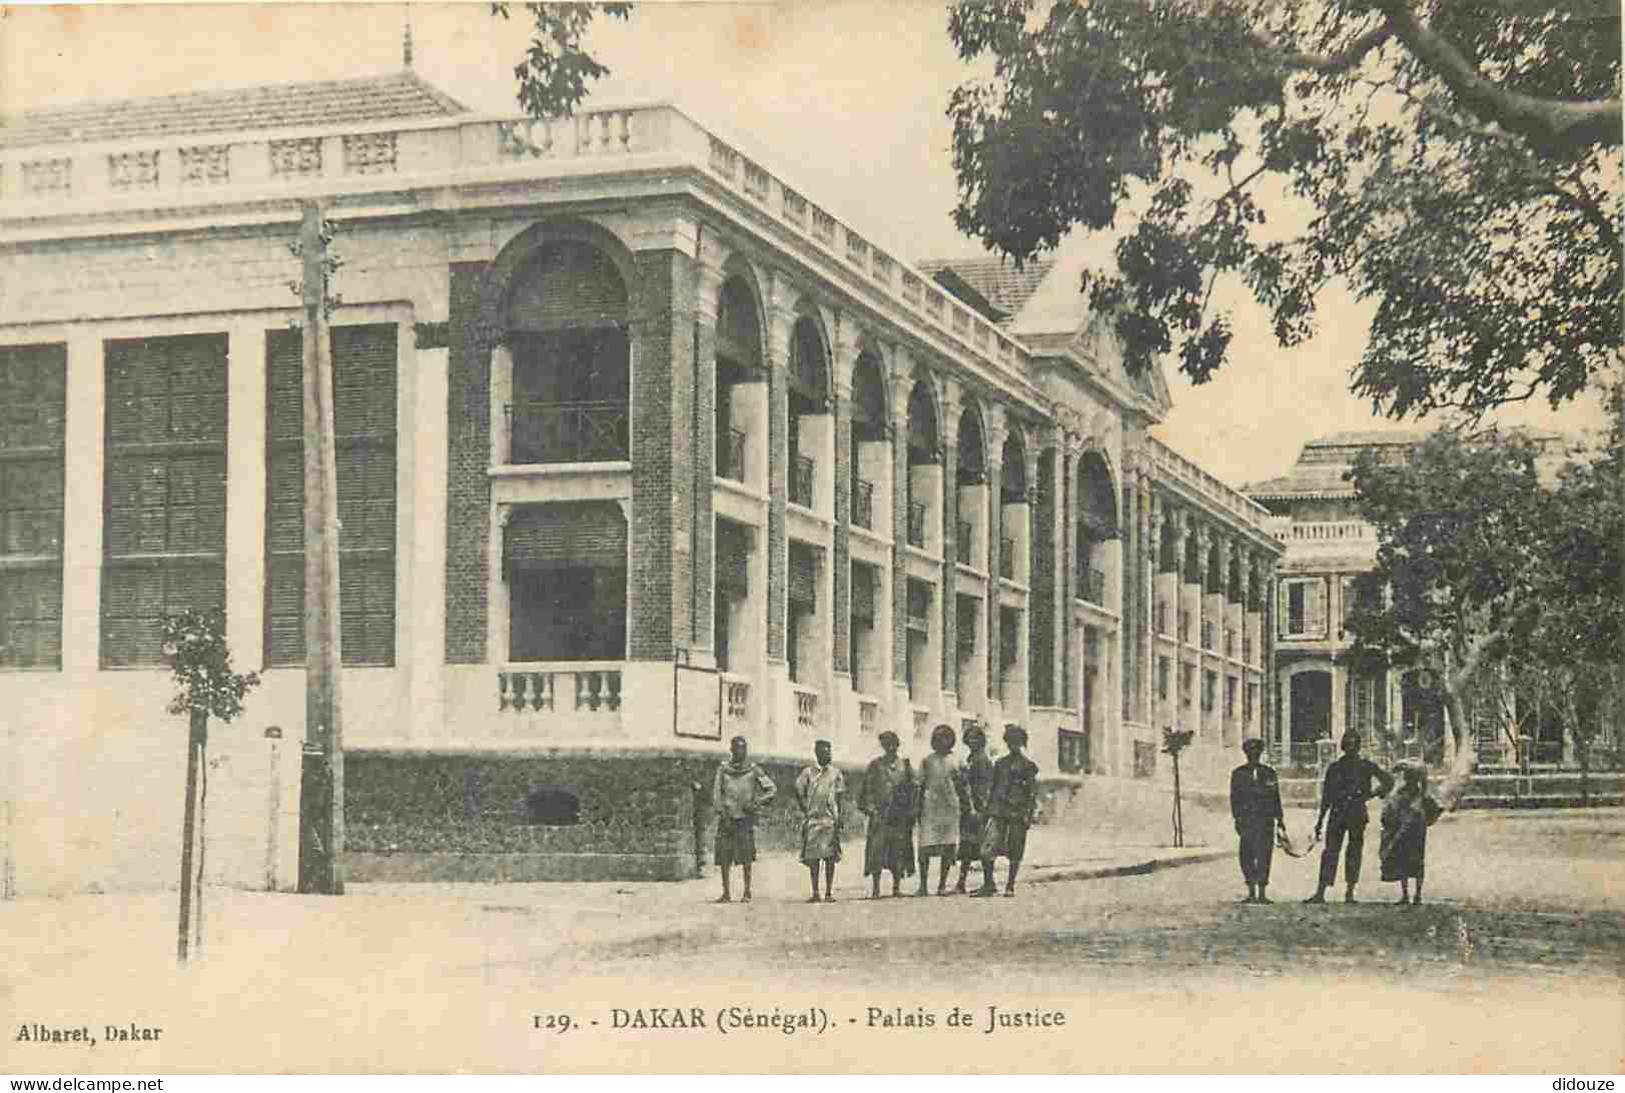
(942, 802)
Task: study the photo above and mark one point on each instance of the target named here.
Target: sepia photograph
(886, 537)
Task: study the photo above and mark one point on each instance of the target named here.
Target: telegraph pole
(321, 798)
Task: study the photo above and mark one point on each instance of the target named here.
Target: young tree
(1461, 163)
(557, 67)
(1485, 564)
(205, 685)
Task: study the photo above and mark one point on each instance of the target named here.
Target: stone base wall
(467, 816)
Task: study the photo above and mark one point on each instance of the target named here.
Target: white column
(82, 506)
(245, 494)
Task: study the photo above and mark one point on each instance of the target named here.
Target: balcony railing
(552, 690)
(863, 503)
(868, 716)
(1007, 559)
(916, 524)
(806, 707)
(965, 537)
(802, 475)
(1091, 586)
(736, 699)
(567, 432)
(731, 456)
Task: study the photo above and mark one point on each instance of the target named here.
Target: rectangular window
(1229, 697)
(1187, 683)
(1304, 608)
(1210, 684)
(1162, 678)
(164, 494)
(1248, 700)
(1072, 752)
(33, 391)
(364, 392)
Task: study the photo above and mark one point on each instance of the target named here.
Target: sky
(847, 100)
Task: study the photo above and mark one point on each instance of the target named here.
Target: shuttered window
(1303, 608)
(32, 407)
(733, 559)
(803, 583)
(164, 492)
(865, 579)
(364, 408)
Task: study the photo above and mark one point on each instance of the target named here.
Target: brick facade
(468, 447)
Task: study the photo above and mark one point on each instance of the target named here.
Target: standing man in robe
(887, 798)
(978, 770)
(1343, 795)
(1255, 805)
(740, 791)
(1011, 808)
(821, 792)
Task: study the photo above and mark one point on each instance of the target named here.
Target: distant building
(1328, 545)
(639, 447)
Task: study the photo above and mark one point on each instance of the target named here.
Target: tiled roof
(1315, 480)
(272, 106)
(996, 279)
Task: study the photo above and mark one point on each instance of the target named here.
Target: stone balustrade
(1175, 468)
(170, 172)
(576, 687)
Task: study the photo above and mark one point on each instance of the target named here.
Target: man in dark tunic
(1011, 806)
(978, 784)
(887, 798)
(1343, 795)
(1255, 805)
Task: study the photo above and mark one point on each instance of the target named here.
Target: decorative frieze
(296, 158)
(205, 165)
(133, 170)
(369, 154)
(47, 177)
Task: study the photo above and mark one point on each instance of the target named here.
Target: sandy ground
(1515, 964)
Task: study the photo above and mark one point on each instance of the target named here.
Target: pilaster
(83, 450)
(845, 353)
(245, 496)
(950, 524)
(997, 433)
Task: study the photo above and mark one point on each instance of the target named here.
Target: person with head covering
(741, 790)
(821, 792)
(978, 777)
(1406, 817)
(942, 803)
(887, 798)
(1343, 796)
(1255, 805)
(1012, 806)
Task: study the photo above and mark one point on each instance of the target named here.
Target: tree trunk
(195, 740)
(1457, 678)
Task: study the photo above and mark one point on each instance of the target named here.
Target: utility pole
(321, 798)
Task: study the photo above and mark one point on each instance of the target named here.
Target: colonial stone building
(1328, 545)
(639, 447)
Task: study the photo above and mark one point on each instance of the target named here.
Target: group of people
(1351, 781)
(968, 811)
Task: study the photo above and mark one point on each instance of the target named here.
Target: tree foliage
(556, 69)
(1461, 161)
(1492, 566)
(195, 645)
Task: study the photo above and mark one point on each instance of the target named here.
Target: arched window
(1097, 525)
(567, 332)
(739, 361)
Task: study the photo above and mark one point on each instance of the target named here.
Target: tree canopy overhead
(1461, 161)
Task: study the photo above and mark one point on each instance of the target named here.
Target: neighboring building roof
(270, 106)
(997, 281)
